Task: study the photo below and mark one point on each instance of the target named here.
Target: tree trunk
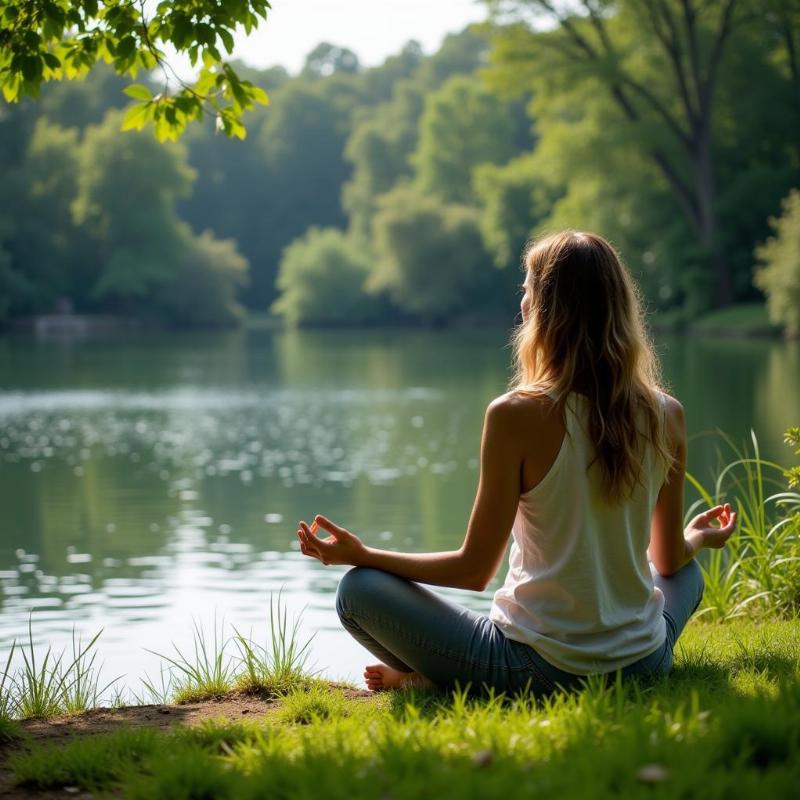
(707, 219)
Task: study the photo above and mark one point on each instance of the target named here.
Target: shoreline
(739, 322)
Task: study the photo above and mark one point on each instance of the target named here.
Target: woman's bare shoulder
(673, 406)
(516, 406)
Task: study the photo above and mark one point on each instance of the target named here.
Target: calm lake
(145, 484)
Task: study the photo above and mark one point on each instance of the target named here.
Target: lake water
(145, 484)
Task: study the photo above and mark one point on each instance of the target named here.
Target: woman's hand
(702, 529)
(341, 547)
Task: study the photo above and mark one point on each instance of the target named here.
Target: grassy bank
(741, 320)
(725, 723)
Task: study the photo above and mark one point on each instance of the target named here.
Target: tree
(429, 257)
(379, 148)
(326, 59)
(463, 125)
(614, 42)
(146, 260)
(660, 64)
(506, 195)
(41, 246)
(779, 273)
(202, 289)
(321, 277)
(46, 40)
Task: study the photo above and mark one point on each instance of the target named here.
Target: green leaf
(259, 95)
(136, 117)
(138, 91)
(227, 40)
(51, 60)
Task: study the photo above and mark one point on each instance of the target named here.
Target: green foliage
(617, 104)
(758, 571)
(326, 59)
(147, 260)
(135, 231)
(779, 274)
(64, 40)
(506, 194)
(201, 291)
(792, 438)
(463, 125)
(322, 276)
(429, 257)
(379, 149)
(108, 233)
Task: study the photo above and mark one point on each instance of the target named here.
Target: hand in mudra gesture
(711, 534)
(341, 547)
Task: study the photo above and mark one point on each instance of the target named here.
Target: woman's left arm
(475, 563)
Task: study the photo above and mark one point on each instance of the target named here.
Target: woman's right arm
(671, 545)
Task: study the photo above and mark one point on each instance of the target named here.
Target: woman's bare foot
(380, 676)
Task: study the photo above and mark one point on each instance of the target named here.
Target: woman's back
(579, 588)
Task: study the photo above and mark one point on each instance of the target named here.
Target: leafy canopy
(46, 40)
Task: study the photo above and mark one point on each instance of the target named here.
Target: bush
(779, 276)
(429, 256)
(202, 291)
(321, 279)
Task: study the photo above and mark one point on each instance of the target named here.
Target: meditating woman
(583, 462)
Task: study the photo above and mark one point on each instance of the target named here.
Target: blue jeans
(412, 629)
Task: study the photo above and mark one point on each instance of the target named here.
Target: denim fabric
(410, 628)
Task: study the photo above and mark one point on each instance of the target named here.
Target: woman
(585, 458)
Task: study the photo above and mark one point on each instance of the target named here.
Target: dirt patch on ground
(233, 707)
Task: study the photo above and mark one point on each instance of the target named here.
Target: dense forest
(406, 192)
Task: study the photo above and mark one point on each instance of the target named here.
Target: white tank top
(579, 588)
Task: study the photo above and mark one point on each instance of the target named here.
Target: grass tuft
(206, 673)
(48, 686)
(280, 665)
(317, 702)
(156, 693)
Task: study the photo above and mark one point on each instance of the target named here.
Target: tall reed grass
(47, 684)
(279, 666)
(758, 571)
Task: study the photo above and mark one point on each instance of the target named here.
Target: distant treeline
(406, 192)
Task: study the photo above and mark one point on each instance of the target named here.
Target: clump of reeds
(48, 684)
(280, 665)
(758, 571)
(210, 670)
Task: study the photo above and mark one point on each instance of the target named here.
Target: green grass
(744, 318)
(304, 705)
(50, 684)
(758, 571)
(204, 673)
(724, 724)
(280, 665)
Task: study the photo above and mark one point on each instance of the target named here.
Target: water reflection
(146, 483)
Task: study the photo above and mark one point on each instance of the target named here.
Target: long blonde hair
(584, 332)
